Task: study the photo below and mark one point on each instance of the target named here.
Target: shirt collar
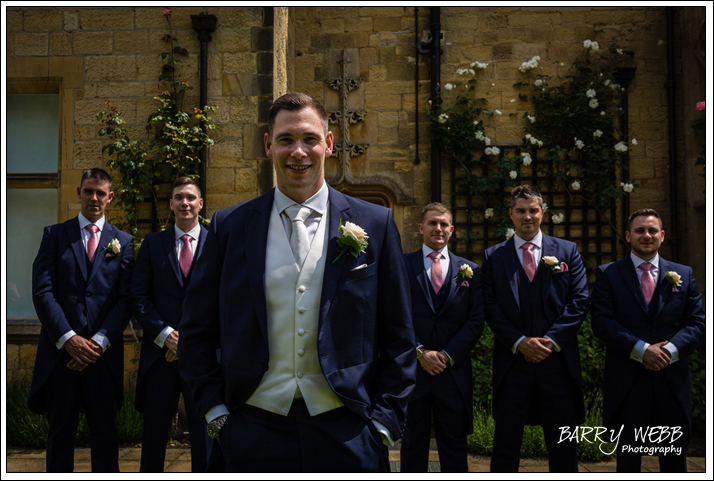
(195, 232)
(537, 240)
(426, 250)
(637, 261)
(84, 222)
(318, 202)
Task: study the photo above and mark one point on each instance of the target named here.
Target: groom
(317, 346)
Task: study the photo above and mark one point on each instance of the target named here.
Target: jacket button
(301, 352)
(302, 310)
(301, 331)
(299, 374)
(89, 294)
(301, 289)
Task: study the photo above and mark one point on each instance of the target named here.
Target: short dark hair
(437, 206)
(294, 102)
(185, 181)
(646, 213)
(526, 192)
(100, 175)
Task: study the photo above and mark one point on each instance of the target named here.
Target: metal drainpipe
(673, 239)
(204, 24)
(435, 18)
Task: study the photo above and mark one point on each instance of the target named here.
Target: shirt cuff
(555, 344)
(102, 340)
(672, 349)
(514, 349)
(161, 338)
(388, 441)
(65, 337)
(451, 361)
(216, 412)
(638, 352)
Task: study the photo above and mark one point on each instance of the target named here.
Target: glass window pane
(28, 212)
(33, 133)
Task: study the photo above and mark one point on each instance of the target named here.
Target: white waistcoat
(293, 306)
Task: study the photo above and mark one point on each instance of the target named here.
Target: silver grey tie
(299, 241)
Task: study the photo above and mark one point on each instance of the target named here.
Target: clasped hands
(535, 349)
(83, 351)
(171, 343)
(655, 358)
(433, 362)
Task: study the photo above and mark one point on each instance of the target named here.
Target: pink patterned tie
(648, 285)
(436, 274)
(185, 256)
(92, 241)
(528, 260)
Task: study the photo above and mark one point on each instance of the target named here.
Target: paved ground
(178, 460)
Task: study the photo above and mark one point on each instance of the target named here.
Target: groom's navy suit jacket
(70, 293)
(455, 328)
(365, 342)
(621, 317)
(158, 289)
(565, 302)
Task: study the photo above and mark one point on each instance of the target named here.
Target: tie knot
(646, 266)
(298, 212)
(527, 246)
(92, 228)
(186, 239)
(435, 256)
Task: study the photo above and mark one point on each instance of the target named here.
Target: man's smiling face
(298, 146)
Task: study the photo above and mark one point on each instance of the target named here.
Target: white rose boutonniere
(353, 239)
(551, 262)
(112, 249)
(674, 279)
(465, 272)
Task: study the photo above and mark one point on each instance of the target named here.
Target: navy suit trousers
(336, 441)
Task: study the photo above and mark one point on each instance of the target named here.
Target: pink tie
(436, 277)
(528, 261)
(648, 285)
(185, 256)
(92, 241)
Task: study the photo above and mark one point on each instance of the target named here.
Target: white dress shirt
(536, 250)
(641, 346)
(99, 338)
(317, 204)
(195, 233)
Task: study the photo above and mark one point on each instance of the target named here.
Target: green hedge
(27, 429)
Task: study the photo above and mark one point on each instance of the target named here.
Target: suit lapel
(662, 285)
(627, 268)
(549, 248)
(169, 241)
(75, 239)
(257, 222)
(417, 265)
(509, 264)
(454, 264)
(339, 210)
(108, 233)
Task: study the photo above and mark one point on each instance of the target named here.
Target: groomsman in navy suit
(80, 288)
(162, 274)
(649, 312)
(447, 311)
(304, 289)
(536, 298)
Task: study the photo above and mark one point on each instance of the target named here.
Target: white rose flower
(461, 71)
(534, 140)
(443, 118)
(488, 151)
(513, 174)
(495, 150)
(448, 86)
(528, 136)
(488, 213)
(550, 261)
(591, 93)
(498, 112)
(602, 112)
(674, 278)
(634, 141)
(532, 119)
(597, 133)
(509, 233)
(540, 143)
(579, 144)
(466, 271)
(621, 147)
(619, 50)
(513, 100)
(471, 71)
(475, 122)
(595, 47)
(607, 82)
(526, 158)
(473, 64)
(627, 187)
(545, 207)
(587, 43)
(575, 185)
(538, 82)
(593, 104)
(562, 64)
(487, 141)
(480, 136)
(356, 232)
(115, 246)
(493, 85)
(557, 218)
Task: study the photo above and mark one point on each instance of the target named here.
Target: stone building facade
(361, 62)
